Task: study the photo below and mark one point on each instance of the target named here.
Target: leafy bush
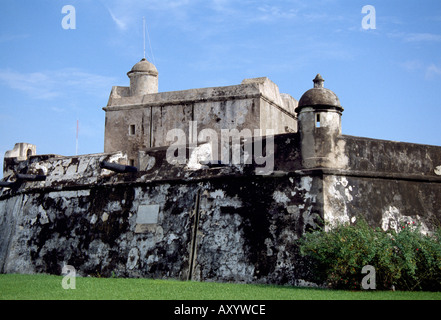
(406, 260)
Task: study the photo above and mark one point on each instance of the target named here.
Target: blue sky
(388, 78)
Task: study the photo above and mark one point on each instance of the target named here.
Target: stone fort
(209, 184)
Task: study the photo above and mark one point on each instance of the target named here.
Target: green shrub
(407, 260)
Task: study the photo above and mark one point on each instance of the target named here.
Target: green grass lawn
(47, 287)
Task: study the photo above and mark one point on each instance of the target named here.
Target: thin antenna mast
(143, 31)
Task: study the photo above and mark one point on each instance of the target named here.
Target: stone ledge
(370, 174)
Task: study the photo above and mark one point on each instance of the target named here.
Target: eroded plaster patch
(393, 219)
(280, 197)
(219, 193)
(341, 160)
(306, 183)
(132, 259)
(338, 195)
(201, 153)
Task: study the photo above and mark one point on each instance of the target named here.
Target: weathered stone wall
(166, 221)
(140, 122)
(229, 228)
(387, 182)
(211, 223)
(384, 203)
(392, 158)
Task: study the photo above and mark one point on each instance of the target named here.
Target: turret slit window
(132, 130)
(317, 120)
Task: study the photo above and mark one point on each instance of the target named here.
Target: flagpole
(76, 140)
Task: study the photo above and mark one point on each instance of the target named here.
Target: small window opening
(29, 153)
(132, 162)
(317, 120)
(132, 130)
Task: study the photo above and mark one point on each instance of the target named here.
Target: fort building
(138, 117)
(282, 167)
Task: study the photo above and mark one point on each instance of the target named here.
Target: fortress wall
(387, 182)
(384, 203)
(166, 221)
(193, 221)
(238, 229)
(392, 157)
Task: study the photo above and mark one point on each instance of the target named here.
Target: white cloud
(129, 11)
(274, 13)
(221, 5)
(433, 71)
(416, 37)
(12, 37)
(412, 65)
(122, 25)
(430, 71)
(426, 37)
(47, 85)
(164, 4)
(57, 109)
(35, 84)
